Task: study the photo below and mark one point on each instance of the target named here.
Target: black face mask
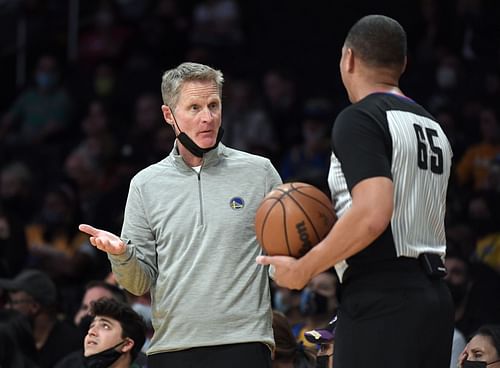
(477, 364)
(103, 359)
(189, 143)
(474, 364)
(194, 148)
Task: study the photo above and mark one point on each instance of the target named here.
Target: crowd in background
(73, 135)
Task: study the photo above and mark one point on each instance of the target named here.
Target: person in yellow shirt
(475, 166)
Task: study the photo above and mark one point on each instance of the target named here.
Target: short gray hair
(173, 80)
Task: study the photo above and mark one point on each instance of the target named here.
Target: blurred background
(80, 115)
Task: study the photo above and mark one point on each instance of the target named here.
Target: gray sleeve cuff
(123, 258)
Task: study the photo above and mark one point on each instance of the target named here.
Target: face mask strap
(493, 362)
(121, 342)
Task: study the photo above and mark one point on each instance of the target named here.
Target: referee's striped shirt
(392, 136)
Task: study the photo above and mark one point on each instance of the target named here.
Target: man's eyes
(212, 106)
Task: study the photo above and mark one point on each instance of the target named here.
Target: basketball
(293, 218)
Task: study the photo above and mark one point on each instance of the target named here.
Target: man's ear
(349, 59)
(167, 114)
(128, 345)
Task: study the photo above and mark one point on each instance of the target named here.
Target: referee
(388, 178)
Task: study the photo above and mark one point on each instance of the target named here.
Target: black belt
(429, 263)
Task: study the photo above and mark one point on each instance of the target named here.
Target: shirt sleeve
(136, 270)
(362, 146)
(273, 178)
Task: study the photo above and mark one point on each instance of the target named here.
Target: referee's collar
(391, 93)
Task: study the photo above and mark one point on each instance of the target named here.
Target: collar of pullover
(211, 158)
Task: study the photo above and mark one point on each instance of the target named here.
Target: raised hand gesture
(104, 240)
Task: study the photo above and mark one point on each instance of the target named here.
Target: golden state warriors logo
(236, 203)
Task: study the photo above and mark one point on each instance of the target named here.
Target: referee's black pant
(394, 319)
(246, 355)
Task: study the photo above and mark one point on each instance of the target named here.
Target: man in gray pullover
(188, 236)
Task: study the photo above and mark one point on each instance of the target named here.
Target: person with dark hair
(95, 290)
(289, 353)
(188, 236)
(389, 172)
(115, 336)
(34, 294)
(483, 348)
(17, 344)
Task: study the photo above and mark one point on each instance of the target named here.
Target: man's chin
(204, 144)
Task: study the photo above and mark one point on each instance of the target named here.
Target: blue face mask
(45, 80)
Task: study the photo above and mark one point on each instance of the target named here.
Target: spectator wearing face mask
(483, 349)
(95, 290)
(41, 112)
(115, 336)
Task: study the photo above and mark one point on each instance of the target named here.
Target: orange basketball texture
(293, 218)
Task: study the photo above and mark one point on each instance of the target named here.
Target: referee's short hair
(379, 41)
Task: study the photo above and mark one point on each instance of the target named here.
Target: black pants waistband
(428, 263)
